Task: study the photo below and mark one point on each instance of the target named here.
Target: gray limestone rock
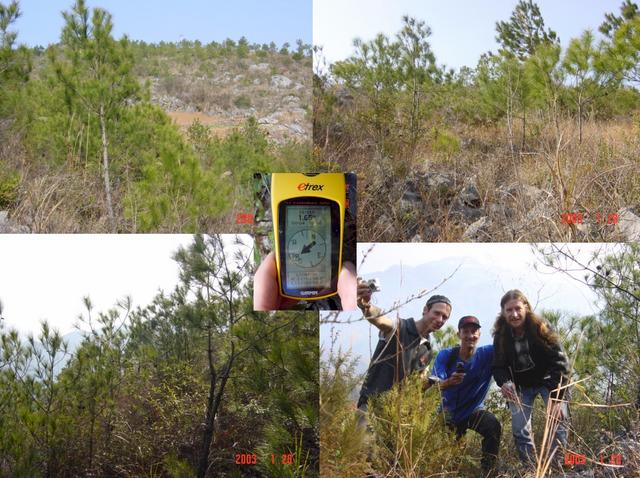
(470, 196)
(280, 81)
(466, 213)
(629, 224)
(478, 231)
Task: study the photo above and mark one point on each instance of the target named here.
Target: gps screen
(308, 247)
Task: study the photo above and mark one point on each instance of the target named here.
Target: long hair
(534, 325)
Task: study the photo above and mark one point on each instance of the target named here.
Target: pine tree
(96, 72)
(417, 65)
(592, 72)
(519, 38)
(546, 79)
(612, 23)
(524, 31)
(214, 279)
(15, 64)
(623, 33)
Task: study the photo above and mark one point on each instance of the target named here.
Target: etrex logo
(310, 187)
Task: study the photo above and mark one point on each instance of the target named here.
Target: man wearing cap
(403, 346)
(463, 374)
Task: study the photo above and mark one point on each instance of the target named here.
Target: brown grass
(597, 177)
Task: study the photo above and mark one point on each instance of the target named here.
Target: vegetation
(193, 384)
(559, 122)
(409, 439)
(85, 149)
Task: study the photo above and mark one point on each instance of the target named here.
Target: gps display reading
(308, 241)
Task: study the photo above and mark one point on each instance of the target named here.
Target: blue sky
(462, 29)
(155, 20)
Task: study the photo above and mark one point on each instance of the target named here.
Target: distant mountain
(74, 340)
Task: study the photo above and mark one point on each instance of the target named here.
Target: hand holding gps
(308, 220)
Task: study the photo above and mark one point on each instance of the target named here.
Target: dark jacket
(551, 364)
(388, 366)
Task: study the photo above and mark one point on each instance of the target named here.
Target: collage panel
(305, 235)
(147, 117)
(495, 148)
(148, 359)
(503, 360)
(511, 121)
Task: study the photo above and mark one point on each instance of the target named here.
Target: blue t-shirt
(461, 400)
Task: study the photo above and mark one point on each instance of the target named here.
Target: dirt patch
(219, 125)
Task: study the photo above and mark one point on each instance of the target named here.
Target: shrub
(444, 142)
(242, 101)
(9, 182)
(411, 437)
(342, 445)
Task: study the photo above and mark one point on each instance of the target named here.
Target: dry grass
(597, 177)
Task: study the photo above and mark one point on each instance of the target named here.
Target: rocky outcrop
(629, 224)
(280, 81)
(229, 90)
(7, 226)
(479, 231)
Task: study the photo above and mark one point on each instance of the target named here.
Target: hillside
(148, 138)
(222, 90)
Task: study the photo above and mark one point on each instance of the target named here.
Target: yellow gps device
(308, 228)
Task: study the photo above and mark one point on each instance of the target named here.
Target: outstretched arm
(372, 313)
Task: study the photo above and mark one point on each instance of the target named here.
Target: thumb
(347, 286)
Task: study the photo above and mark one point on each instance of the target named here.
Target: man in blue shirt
(464, 375)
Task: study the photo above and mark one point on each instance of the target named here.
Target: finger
(363, 290)
(266, 295)
(347, 284)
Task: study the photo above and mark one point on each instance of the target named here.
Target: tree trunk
(415, 107)
(213, 403)
(510, 124)
(524, 128)
(105, 168)
(580, 121)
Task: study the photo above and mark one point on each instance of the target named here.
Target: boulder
(259, 67)
(273, 118)
(465, 213)
(410, 199)
(478, 231)
(9, 227)
(432, 182)
(629, 225)
(291, 100)
(296, 128)
(280, 81)
(470, 196)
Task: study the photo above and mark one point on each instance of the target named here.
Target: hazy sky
(461, 29)
(484, 273)
(155, 20)
(45, 276)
